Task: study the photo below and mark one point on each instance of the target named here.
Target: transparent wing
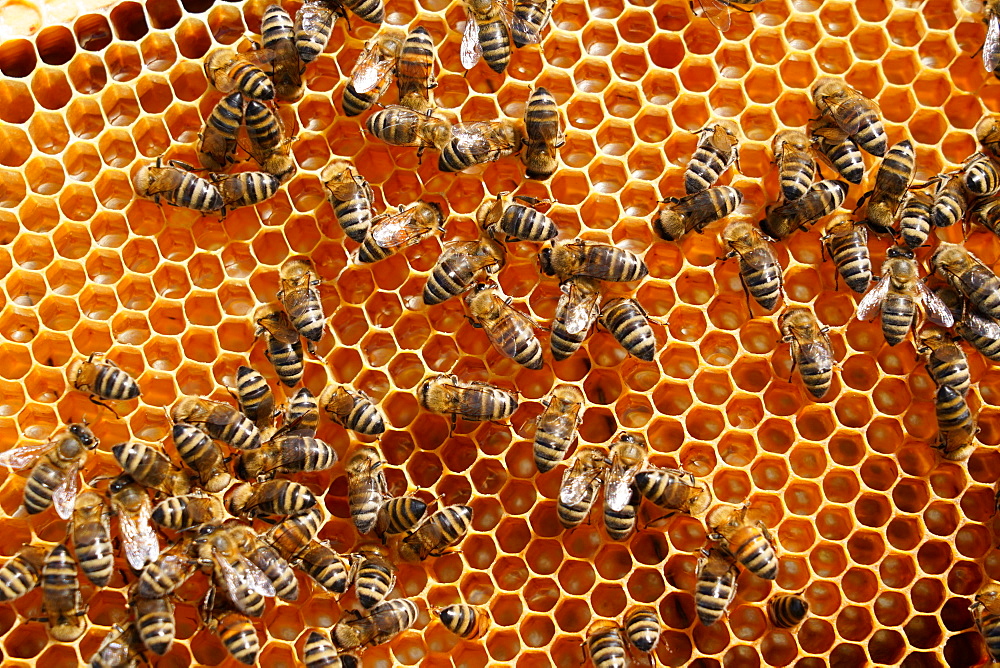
(471, 50)
(576, 483)
(937, 311)
(581, 310)
(25, 455)
(138, 537)
(471, 134)
(982, 326)
(280, 327)
(398, 230)
(618, 483)
(760, 257)
(991, 45)
(871, 302)
(371, 70)
(513, 336)
(64, 496)
(247, 576)
(716, 12)
(531, 33)
(819, 352)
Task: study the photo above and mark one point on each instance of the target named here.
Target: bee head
(545, 261)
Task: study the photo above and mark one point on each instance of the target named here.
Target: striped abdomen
(248, 188)
(815, 364)
(94, 552)
(786, 611)
(627, 322)
(305, 453)
(154, 618)
(364, 417)
(196, 193)
(982, 287)
(552, 439)
(532, 17)
(113, 383)
(642, 627)
(313, 26)
(374, 579)
(356, 103)
(197, 450)
(371, 11)
(399, 514)
(277, 570)
(326, 566)
(526, 223)
(713, 593)
(354, 214)
(247, 600)
(846, 159)
(252, 81)
(452, 275)
(607, 648)
(763, 282)
(706, 166)
(612, 264)
(42, 483)
(495, 41)
(982, 178)
(319, 652)
(571, 515)
(850, 254)
(254, 394)
(949, 205)
(465, 621)
(239, 636)
(263, 128)
(898, 311)
(18, 576)
(621, 523)
(871, 135)
(752, 549)
(971, 329)
(796, 175)
(663, 488)
(489, 403)
(951, 408)
(915, 221)
(61, 595)
(286, 358)
(305, 310)
(947, 365)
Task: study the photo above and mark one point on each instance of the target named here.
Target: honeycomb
(887, 540)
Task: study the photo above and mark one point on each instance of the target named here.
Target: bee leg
(652, 521)
(94, 399)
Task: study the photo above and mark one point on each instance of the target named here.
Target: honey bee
(967, 274)
(229, 71)
(796, 167)
(391, 232)
(254, 396)
(303, 412)
(330, 569)
(91, 527)
(151, 468)
(238, 636)
(53, 480)
(812, 352)
(717, 150)
(232, 571)
(854, 113)
(154, 622)
(991, 54)
(278, 35)
(352, 409)
(283, 348)
(695, 212)
(956, 424)
(181, 513)
(566, 259)
(265, 558)
(628, 323)
(369, 11)
(473, 401)
(458, 266)
(579, 485)
(373, 71)
(351, 198)
(131, 504)
(517, 217)
(217, 142)
(946, 362)
(486, 36)
(246, 188)
(838, 148)
(986, 611)
(576, 311)
(981, 176)
(119, 649)
(949, 202)
(168, 571)
(541, 125)
(465, 621)
(286, 452)
(787, 611)
(176, 184)
(219, 420)
(102, 379)
(915, 220)
(760, 271)
(436, 533)
(414, 71)
(531, 18)
(399, 515)
(270, 497)
(375, 576)
(479, 142)
(61, 600)
(557, 426)
(21, 573)
(301, 299)
(748, 538)
(821, 199)
(268, 146)
(202, 454)
(980, 331)
(510, 331)
(383, 623)
(313, 26)
(716, 588)
(894, 176)
(642, 627)
(606, 645)
(847, 244)
(986, 212)
(674, 490)
(291, 536)
(366, 487)
(400, 126)
(621, 523)
(319, 652)
(628, 456)
(988, 130)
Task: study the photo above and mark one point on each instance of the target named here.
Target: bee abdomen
(400, 514)
(787, 611)
(495, 41)
(41, 485)
(711, 597)
(253, 392)
(97, 559)
(897, 317)
(628, 324)
(228, 115)
(447, 280)
(872, 138)
(525, 223)
(620, 523)
(571, 515)
(461, 619)
(846, 159)
(607, 650)
(196, 193)
(155, 621)
(817, 377)
(240, 638)
(372, 583)
(763, 284)
(915, 222)
(550, 449)
(313, 26)
(252, 81)
(757, 554)
(17, 578)
(982, 178)
(354, 216)
(563, 343)
(365, 418)
(706, 166)
(951, 408)
(372, 11)
(356, 103)
(286, 358)
(949, 207)
(113, 383)
(262, 126)
(249, 188)
(642, 627)
(797, 174)
(662, 489)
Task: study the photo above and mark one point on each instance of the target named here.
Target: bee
(675, 490)
(246, 188)
(621, 523)
(330, 569)
(847, 243)
(53, 480)
(760, 271)
(131, 504)
(217, 142)
(479, 142)
(642, 627)
(986, 610)
(91, 527)
(991, 50)
(557, 426)
(277, 32)
(787, 611)
(566, 259)
(821, 199)
(531, 17)
(283, 348)
(458, 266)
(369, 11)
(981, 176)
(986, 212)
(301, 299)
(202, 454)
(894, 176)
(956, 424)
(366, 487)
(812, 352)
(988, 127)
(154, 622)
(375, 576)
(606, 645)
(434, 534)
(229, 71)
(486, 35)
(219, 420)
(232, 571)
(716, 587)
(268, 146)
(384, 622)
(399, 515)
(579, 485)
(967, 274)
(946, 362)
(352, 409)
(473, 401)
(628, 323)
(102, 379)
(291, 536)
(255, 397)
(176, 184)
(576, 311)
(313, 25)
(373, 71)
(915, 220)
(541, 125)
(303, 412)
(319, 652)
(61, 600)
(351, 198)
(717, 150)
(270, 497)
(400, 126)
(980, 331)
(838, 148)
(119, 649)
(695, 212)
(181, 513)
(285, 453)
(854, 113)
(517, 217)
(414, 71)
(510, 331)
(151, 468)
(265, 558)
(238, 636)
(21, 573)
(748, 540)
(796, 167)
(465, 621)
(628, 456)
(168, 571)
(949, 202)
(391, 232)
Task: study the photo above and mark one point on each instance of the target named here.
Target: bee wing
(248, 576)
(848, 120)
(280, 328)
(398, 230)
(871, 302)
(618, 483)
(760, 257)
(531, 32)
(64, 496)
(138, 537)
(371, 70)
(260, 56)
(471, 50)
(819, 352)
(581, 310)
(991, 45)
(716, 12)
(983, 326)
(576, 483)
(25, 455)
(937, 311)
(514, 335)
